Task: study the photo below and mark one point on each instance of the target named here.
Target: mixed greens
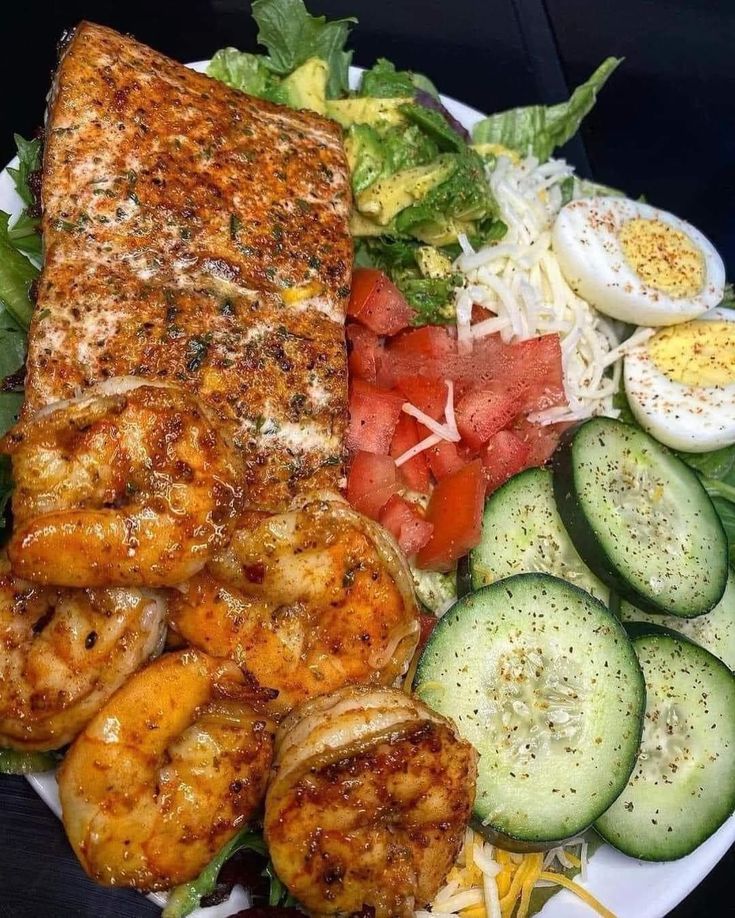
(716, 471)
(18, 272)
(418, 177)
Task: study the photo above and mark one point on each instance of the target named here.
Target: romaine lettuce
(540, 129)
(292, 36)
(246, 72)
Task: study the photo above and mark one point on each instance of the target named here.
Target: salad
(541, 414)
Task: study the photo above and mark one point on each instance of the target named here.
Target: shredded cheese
(579, 891)
(426, 443)
(520, 282)
(446, 431)
(441, 430)
(488, 882)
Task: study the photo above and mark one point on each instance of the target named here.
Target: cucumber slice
(464, 576)
(435, 591)
(714, 631)
(683, 786)
(522, 532)
(543, 680)
(640, 518)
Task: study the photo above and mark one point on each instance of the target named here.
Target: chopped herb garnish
(197, 349)
(235, 224)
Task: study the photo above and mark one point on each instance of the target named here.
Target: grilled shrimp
(64, 652)
(166, 773)
(367, 807)
(128, 485)
(306, 601)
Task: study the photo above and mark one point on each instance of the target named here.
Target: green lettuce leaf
(292, 36)
(540, 129)
(29, 160)
(728, 297)
(383, 81)
(10, 405)
(278, 895)
(24, 235)
(17, 274)
(185, 899)
(435, 126)
(247, 72)
(12, 344)
(13, 762)
(717, 464)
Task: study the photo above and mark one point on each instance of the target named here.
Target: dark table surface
(665, 126)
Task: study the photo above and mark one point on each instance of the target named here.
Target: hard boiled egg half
(681, 383)
(637, 263)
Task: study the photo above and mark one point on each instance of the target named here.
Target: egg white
(587, 246)
(695, 419)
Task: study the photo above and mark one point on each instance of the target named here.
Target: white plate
(630, 888)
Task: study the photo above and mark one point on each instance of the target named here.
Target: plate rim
(607, 864)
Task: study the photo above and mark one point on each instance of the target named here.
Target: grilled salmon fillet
(197, 236)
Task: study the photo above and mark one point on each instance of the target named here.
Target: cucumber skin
(502, 839)
(464, 577)
(638, 630)
(645, 629)
(520, 845)
(585, 539)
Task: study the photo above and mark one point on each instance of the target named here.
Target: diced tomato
(429, 341)
(421, 352)
(430, 395)
(483, 412)
(541, 441)
(406, 525)
(533, 367)
(415, 472)
(505, 455)
(377, 303)
(365, 352)
(444, 459)
(374, 414)
(371, 483)
(427, 623)
(455, 509)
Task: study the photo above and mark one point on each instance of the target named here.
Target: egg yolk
(663, 257)
(699, 353)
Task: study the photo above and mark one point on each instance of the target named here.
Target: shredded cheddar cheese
(578, 890)
(488, 882)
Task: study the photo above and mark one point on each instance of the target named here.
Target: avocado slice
(386, 197)
(306, 87)
(366, 110)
